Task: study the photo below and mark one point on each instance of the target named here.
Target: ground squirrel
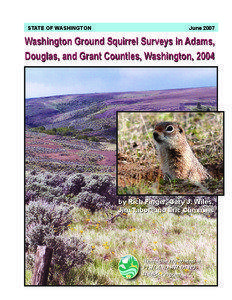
(175, 155)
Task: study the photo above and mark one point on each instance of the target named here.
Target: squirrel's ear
(180, 129)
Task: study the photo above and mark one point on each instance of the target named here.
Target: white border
(15, 14)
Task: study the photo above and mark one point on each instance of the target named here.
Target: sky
(45, 81)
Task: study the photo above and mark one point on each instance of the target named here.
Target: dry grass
(171, 249)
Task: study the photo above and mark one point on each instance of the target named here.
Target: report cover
(124, 154)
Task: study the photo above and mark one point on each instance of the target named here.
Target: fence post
(42, 264)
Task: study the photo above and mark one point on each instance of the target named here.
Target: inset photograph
(170, 153)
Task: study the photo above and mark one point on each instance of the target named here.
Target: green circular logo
(128, 266)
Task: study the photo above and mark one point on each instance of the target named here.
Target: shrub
(74, 184)
(46, 224)
(36, 236)
(81, 136)
(38, 129)
(103, 185)
(47, 186)
(67, 254)
(61, 188)
(91, 201)
(55, 180)
(94, 139)
(41, 213)
(29, 196)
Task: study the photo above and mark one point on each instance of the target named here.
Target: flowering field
(66, 153)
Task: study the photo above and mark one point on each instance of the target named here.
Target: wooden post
(42, 264)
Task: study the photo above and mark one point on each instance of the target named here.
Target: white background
(121, 49)
(13, 17)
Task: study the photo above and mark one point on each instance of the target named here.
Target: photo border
(182, 195)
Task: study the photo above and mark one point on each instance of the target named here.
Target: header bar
(121, 27)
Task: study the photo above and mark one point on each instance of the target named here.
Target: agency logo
(128, 266)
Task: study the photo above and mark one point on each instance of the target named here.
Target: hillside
(97, 111)
(73, 132)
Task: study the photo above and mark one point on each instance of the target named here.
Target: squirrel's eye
(169, 128)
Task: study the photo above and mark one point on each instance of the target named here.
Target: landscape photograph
(73, 211)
